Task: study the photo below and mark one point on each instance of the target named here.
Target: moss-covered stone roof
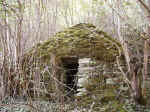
(81, 40)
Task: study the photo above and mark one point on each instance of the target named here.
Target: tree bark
(136, 81)
(134, 67)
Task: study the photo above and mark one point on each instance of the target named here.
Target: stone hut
(56, 59)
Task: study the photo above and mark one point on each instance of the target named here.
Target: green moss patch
(79, 40)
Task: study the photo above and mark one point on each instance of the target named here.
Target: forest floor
(44, 106)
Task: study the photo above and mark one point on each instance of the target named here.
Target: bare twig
(145, 6)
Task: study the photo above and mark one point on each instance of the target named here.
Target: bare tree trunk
(19, 33)
(137, 80)
(11, 45)
(56, 75)
(134, 67)
(146, 9)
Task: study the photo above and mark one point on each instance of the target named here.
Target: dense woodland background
(24, 23)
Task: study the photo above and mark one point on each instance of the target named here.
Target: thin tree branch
(145, 6)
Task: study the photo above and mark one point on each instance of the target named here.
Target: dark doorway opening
(70, 65)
